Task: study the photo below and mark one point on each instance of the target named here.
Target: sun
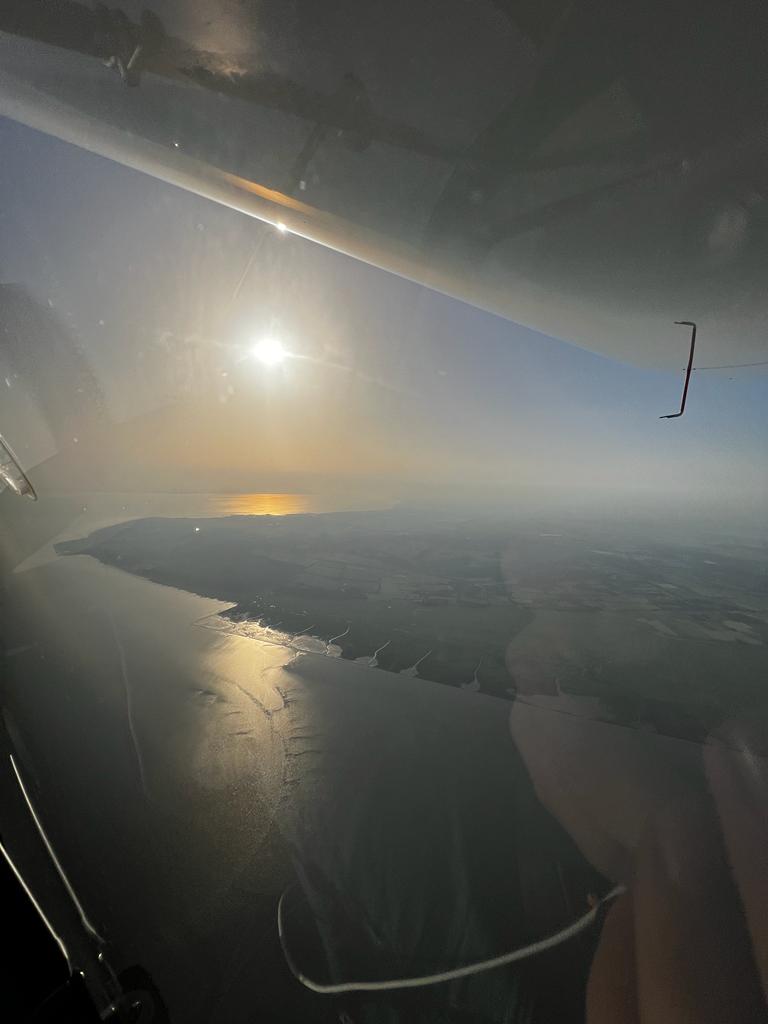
(269, 351)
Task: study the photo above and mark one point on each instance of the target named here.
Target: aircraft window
(372, 652)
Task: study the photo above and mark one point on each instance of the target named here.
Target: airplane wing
(538, 165)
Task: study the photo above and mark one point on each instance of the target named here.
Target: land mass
(670, 634)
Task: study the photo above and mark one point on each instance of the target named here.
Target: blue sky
(453, 392)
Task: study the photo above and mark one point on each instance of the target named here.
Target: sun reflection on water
(263, 504)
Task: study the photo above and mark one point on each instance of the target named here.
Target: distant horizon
(149, 379)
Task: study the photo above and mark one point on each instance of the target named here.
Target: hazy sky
(389, 381)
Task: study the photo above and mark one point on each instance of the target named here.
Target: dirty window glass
(384, 614)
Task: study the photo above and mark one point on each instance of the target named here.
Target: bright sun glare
(269, 351)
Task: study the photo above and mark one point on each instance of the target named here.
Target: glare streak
(129, 709)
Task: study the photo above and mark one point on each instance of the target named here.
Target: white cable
(457, 972)
(52, 854)
(59, 941)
